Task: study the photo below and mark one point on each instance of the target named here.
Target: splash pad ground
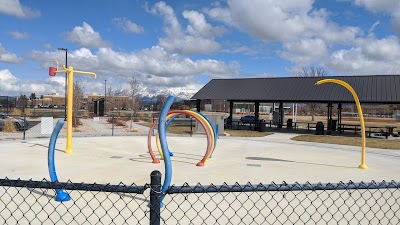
(263, 159)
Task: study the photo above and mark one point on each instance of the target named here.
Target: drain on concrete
(116, 157)
(268, 159)
(255, 165)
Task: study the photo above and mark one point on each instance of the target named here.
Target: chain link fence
(115, 125)
(32, 202)
(41, 127)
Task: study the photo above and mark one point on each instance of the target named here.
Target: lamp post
(66, 74)
(105, 95)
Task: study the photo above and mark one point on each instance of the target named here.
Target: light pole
(66, 74)
(105, 95)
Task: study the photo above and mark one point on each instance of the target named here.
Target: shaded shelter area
(371, 89)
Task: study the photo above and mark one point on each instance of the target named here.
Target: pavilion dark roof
(370, 89)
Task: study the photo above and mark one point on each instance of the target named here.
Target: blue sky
(178, 46)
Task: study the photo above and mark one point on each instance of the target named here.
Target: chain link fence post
(112, 125)
(191, 126)
(155, 193)
(23, 127)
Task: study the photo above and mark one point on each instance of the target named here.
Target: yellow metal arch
(360, 113)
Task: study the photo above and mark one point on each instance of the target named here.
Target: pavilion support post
(256, 113)
(281, 115)
(329, 123)
(230, 109)
(339, 108)
(198, 105)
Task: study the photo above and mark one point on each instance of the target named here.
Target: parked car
(19, 122)
(248, 119)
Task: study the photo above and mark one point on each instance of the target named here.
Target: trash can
(289, 124)
(262, 126)
(333, 125)
(319, 128)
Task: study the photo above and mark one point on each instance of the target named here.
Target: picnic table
(385, 131)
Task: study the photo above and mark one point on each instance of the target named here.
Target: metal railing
(32, 202)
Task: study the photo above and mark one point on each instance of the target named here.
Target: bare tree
(160, 102)
(133, 85)
(312, 71)
(77, 101)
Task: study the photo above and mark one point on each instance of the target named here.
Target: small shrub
(85, 114)
(16, 112)
(134, 130)
(9, 126)
(27, 112)
(116, 121)
(141, 116)
(135, 119)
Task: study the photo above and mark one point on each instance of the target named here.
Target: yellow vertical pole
(70, 72)
(360, 113)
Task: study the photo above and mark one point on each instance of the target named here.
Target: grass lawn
(353, 141)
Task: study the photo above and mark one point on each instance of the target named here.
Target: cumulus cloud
(15, 8)
(8, 57)
(299, 51)
(391, 7)
(85, 36)
(267, 19)
(10, 84)
(154, 67)
(128, 26)
(19, 35)
(369, 56)
(198, 37)
(297, 25)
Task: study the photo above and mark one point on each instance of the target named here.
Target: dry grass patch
(246, 133)
(134, 130)
(9, 126)
(353, 141)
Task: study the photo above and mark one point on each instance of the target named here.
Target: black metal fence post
(112, 125)
(23, 127)
(155, 193)
(191, 126)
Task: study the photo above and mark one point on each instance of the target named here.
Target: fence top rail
(44, 184)
(186, 188)
(282, 187)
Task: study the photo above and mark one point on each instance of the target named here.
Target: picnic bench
(385, 131)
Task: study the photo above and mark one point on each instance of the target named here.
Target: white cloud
(285, 20)
(8, 57)
(299, 51)
(128, 26)
(19, 35)
(386, 6)
(86, 37)
(368, 56)
(294, 24)
(199, 36)
(15, 8)
(10, 84)
(154, 67)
